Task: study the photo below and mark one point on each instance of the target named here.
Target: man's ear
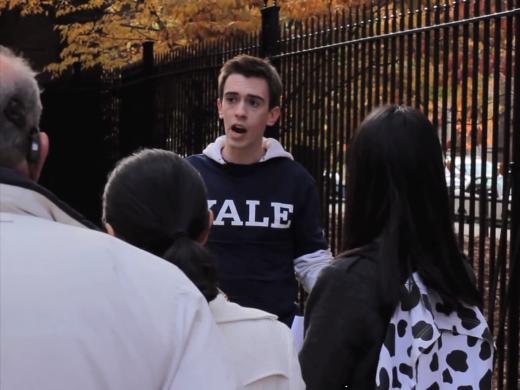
(203, 237)
(274, 114)
(219, 106)
(35, 169)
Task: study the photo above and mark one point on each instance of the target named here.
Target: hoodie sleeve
(311, 249)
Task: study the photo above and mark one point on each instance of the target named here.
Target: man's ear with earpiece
(39, 156)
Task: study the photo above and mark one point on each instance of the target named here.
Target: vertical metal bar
(435, 92)
(356, 75)
(350, 63)
(309, 105)
(282, 70)
(410, 56)
(463, 119)
(427, 48)
(474, 131)
(270, 35)
(393, 58)
(296, 90)
(321, 163)
(324, 58)
(508, 62)
(454, 106)
(369, 31)
(270, 46)
(514, 275)
(318, 94)
(386, 43)
(377, 55)
(303, 118)
(402, 27)
(290, 89)
(363, 49)
(483, 196)
(494, 160)
(418, 56)
(444, 77)
(344, 122)
(332, 128)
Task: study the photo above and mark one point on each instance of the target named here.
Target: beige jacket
(262, 347)
(82, 310)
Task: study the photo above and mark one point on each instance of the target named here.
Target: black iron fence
(459, 61)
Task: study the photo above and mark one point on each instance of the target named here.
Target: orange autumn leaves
(110, 33)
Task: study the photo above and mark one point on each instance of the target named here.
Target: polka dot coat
(428, 347)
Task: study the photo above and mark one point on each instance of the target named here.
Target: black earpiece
(33, 153)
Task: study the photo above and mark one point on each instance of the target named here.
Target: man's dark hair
(157, 201)
(397, 197)
(20, 107)
(249, 66)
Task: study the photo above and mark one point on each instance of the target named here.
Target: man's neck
(242, 156)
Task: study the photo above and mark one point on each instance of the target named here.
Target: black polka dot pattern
(406, 369)
(485, 382)
(422, 330)
(401, 328)
(458, 360)
(390, 339)
(434, 365)
(485, 351)
(435, 346)
(472, 341)
(412, 299)
(395, 379)
(446, 376)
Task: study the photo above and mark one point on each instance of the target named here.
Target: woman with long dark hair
(399, 308)
(157, 201)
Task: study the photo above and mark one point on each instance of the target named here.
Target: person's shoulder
(293, 168)
(225, 311)
(196, 159)
(349, 268)
(141, 270)
(138, 264)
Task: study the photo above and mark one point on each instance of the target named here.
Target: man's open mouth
(238, 129)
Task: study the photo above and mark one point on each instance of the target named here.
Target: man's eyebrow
(231, 93)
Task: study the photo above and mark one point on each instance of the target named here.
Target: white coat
(82, 310)
(263, 348)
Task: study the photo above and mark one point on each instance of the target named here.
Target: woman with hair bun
(157, 201)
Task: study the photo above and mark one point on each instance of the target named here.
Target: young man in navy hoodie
(267, 226)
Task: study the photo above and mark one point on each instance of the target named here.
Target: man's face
(245, 110)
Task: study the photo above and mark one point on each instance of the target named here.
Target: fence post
(270, 46)
(152, 134)
(514, 285)
(148, 57)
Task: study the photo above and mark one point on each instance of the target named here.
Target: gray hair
(20, 95)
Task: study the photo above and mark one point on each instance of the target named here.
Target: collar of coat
(224, 311)
(20, 195)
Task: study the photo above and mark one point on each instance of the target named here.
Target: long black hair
(397, 201)
(158, 202)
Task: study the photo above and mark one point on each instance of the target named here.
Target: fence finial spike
(265, 3)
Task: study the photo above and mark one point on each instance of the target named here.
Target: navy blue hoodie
(266, 215)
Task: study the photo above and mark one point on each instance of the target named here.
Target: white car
(473, 184)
